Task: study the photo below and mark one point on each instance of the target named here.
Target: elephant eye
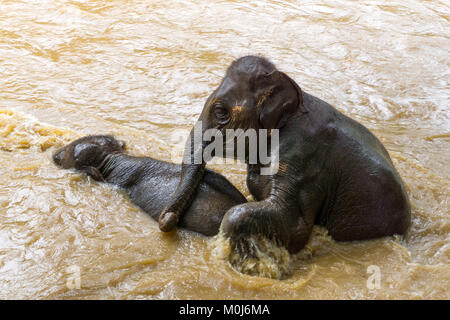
(222, 115)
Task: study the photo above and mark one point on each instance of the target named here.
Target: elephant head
(252, 95)
(88, 154)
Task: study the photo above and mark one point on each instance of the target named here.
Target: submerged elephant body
(344, 179)
(332, 170)
(148, 181)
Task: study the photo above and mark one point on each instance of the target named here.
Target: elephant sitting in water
(149, 181)
(332, 170)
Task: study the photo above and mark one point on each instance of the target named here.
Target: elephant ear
(94, 173)
(279, 97)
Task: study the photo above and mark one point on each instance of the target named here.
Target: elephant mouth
(58, 156)
(254, 255)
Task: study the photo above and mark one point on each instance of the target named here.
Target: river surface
(141, 70)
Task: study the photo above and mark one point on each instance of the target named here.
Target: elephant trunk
(192, 171)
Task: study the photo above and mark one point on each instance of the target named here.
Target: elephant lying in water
(332, 170)
(149, 181)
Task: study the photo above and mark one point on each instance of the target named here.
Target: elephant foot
(254, 255)
(259, 256)
(255, 242)
(168, 221)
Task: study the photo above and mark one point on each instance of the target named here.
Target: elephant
(332, 171)
(148, 181)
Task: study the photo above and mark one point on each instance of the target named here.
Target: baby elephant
(149, 182)
(329, 169)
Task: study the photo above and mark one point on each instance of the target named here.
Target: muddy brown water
(141, 70)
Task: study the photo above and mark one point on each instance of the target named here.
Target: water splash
(255, 256)
(19, 130)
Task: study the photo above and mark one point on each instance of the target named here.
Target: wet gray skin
(332, 170)
(149, 182)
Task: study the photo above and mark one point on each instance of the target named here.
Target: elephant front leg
(257, 184)
(262, 235)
